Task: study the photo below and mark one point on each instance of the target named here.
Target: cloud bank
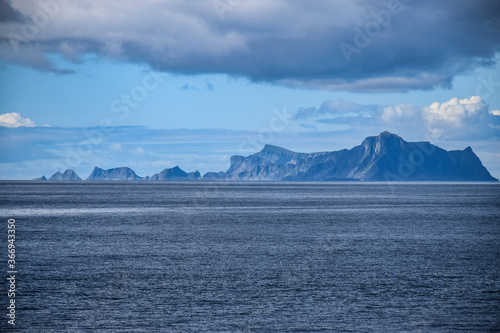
(354, 45)
(464, 119)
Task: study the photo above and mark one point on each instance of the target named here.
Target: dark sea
(252, 257)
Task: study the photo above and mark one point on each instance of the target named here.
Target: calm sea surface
(263, 257)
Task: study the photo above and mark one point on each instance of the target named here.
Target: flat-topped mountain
(386, 157)
(174, 174)
(122, 173)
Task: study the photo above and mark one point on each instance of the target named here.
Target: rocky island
(386, 157)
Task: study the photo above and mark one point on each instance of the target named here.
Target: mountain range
(386, 157)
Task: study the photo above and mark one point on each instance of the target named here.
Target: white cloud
(468, 119)
(15, 120)
(462, 119)
(455, 115)
(395, 112)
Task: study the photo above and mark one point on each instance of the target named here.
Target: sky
(154, 84)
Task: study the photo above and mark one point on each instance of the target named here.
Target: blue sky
(156, 84)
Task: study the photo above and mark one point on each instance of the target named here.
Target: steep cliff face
(269, 164)
(386, 157)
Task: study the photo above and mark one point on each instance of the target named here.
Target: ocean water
(253, 257)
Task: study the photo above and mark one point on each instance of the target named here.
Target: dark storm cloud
(361, 45)
(9, 14)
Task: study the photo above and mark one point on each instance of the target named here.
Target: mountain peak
(276, 150)
(389, 136)
(67, 175)
(384, 142)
